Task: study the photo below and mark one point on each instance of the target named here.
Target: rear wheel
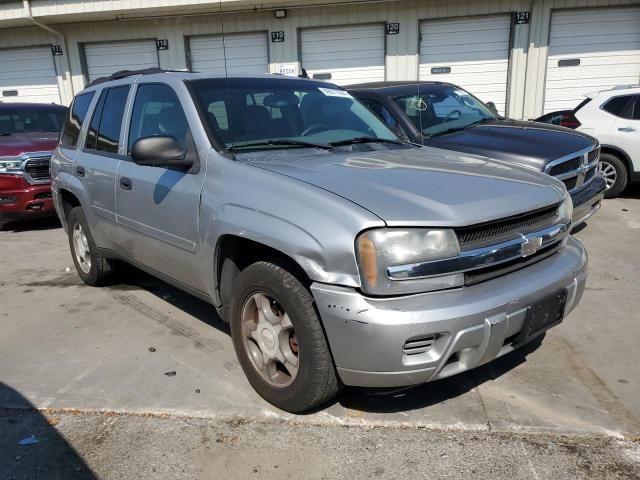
(614, 172)
(93, 269)
(279, 340)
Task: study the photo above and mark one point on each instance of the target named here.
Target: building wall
(527, 63)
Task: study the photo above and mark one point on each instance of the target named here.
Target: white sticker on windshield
(333, 92)
(460, 93)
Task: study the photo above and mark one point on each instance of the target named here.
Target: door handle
(626, 129)
(80, 171)
(125, 183)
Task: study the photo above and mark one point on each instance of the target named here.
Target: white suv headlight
(381, 249)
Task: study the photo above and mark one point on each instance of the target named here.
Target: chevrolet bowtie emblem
(530, 246)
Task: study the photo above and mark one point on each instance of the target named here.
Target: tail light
(569, 120)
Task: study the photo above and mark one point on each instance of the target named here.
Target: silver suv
(338, 254)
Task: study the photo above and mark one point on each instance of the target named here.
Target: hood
(419, 186)
(19, 143)
(527, 143)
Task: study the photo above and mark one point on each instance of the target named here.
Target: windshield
(274, 113)
(25, 120)
(441, 108)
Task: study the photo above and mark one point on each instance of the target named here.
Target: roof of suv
(614, 90)
(157, 74)
(391, 88)
(27, 106)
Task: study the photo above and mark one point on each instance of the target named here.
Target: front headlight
(387, 256)
(10, 166)
(565, 210)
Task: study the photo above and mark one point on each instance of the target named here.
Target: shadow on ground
(367, 400)
(30, 225)
(49, 456)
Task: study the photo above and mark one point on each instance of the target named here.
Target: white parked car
(613, 117)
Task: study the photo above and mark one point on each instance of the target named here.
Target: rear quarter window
(75, 119)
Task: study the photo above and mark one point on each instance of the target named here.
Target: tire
(98, 271)
(615, 173)
(314, 380)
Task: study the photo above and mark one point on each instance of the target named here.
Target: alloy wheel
(81, 248)
(609, 173)
(269, 340)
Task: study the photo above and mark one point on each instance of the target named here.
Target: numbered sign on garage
(472, 52)
(245, 53)
(28, 75)
(344, 55)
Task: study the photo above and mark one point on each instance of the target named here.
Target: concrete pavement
(68, 347)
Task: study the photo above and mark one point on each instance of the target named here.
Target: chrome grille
(590, 173)
(570, 183)
(575, 170)
(565, 167)
(38, 168)
(498, 231)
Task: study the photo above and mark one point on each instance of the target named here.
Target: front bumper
(588, 200)
(469, 326)
(21, 200)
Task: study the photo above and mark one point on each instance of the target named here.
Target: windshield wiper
(5, 134)
(355, 140)
(459, 129)
(280, 142)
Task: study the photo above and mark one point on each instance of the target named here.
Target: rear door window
(636, 109)
(106, 123)
(620, 106)
(75, 119)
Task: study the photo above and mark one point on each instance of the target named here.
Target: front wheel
(279, 340)
(615, 174)
(93, 269)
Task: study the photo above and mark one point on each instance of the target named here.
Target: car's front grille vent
(484, 274)
(570, 183)
(565, 167)
(590, 173)
(417, 345)
(495, 232)
(38, 168)
(594, 155)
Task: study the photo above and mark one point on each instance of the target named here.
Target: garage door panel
(31, 72)
(104, 59)
(480, 66)
(350, 54)
(607, 43)
(245, 53)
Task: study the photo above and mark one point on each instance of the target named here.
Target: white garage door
(104, 59)
(472, 52)
(28, 75)
(245, 53)
(344, 55)
(590, 50)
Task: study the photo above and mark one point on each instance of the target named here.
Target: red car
(28, 134)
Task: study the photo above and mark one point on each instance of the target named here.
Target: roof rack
(129, 73)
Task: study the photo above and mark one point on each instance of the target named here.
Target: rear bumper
(19, 200)
(588, 200)
(468, 326)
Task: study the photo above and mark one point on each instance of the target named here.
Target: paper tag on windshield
(332, 92)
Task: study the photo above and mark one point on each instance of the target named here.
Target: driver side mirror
(160, 151)
(492, 108)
